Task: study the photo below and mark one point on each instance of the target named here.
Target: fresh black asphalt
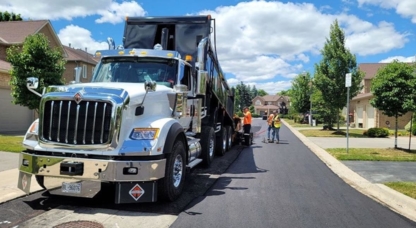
(284, 185)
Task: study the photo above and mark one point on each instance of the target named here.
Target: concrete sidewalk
(9, 174)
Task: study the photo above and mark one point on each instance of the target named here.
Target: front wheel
(170, 187)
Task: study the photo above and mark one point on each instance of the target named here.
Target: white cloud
(400, 59)
(405, 8)
(109, 10)
(117, 12)
(262, 40)
(80, 38)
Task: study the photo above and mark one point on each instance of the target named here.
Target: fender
(174, 131)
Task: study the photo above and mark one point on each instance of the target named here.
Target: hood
(132, 90)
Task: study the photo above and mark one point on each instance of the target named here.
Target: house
(15, 118)
(269, 103)
(363, 114)
(78, 58)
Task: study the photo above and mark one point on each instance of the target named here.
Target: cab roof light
(188, 58)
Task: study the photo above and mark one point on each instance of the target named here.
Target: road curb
(394, 200)
(8, 188)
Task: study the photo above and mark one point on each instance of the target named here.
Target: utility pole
(348, 85)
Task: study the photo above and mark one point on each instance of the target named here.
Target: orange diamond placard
(136, 192)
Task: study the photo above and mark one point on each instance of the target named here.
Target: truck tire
(207, 145)
(170, 187)
(221, 142)
(40, 180)
(229, 137)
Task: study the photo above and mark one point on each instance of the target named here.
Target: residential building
(269, 103)
(15, 118)
(362, 113)
(78, 58)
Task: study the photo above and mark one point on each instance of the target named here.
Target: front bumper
(91, 169)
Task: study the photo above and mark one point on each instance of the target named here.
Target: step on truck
(156, 107)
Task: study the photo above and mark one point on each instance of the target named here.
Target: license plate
(71, 188)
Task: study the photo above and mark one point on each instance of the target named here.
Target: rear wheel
(170, 187)
(229, 137)
(207, 145)
(221, 143)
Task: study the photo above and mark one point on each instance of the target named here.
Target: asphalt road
(16, 212)
(284, 185)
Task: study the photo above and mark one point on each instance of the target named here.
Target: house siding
(3, 54)
(402, 121)
(4, 80)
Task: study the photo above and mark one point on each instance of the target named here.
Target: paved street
(285, 185)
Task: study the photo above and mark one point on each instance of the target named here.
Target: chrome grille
(85, 123)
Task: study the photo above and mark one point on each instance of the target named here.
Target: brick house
(269, 103)
(15, 118)
(78, 58)
(364, 115)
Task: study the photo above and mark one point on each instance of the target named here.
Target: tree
(330, 72)
(244, 96)
(301, 92)
(6, 16)
(394, 90)
(261, 92)
(284, 93)
(35, 58)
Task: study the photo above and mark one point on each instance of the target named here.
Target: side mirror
(32, 83)
(150, 85)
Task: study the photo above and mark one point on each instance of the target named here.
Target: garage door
(13, 118)
(370, 116)
(360, 117)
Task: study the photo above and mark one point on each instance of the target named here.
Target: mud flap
(136, 192)
(24, 182)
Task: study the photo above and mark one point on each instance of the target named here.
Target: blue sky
(262, 43)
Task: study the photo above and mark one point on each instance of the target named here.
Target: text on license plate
(71, 187)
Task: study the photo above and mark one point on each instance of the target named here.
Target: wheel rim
(230, 141)
(224, 141)
(211, 147)
(177, 171)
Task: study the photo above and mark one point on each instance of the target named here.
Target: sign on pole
(348, 80)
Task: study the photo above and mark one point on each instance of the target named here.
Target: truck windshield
(136, 69)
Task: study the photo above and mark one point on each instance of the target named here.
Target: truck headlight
(34, 128)
(144, 133)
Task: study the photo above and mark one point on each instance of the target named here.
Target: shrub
(255, 115)
(365, 132)
(378, 132)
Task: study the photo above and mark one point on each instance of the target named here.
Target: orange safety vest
(247, 118)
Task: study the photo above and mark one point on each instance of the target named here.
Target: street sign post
(348, 85)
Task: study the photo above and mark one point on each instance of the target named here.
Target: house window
(92, 70)
(258, 102)
(269, 102)
(84, 71)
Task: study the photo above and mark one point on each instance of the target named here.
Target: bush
(378, 132)
(365, 133)
(255, 115)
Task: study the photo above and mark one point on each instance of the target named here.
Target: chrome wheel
(177, 170)
(211, 147)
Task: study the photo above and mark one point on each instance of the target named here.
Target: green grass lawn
(407, 188)
(372, 154)
(11, 143)
(355, 133)
(293, 124)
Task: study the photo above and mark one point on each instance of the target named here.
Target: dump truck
(156, 107)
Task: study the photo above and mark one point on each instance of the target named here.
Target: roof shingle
(9, 34)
